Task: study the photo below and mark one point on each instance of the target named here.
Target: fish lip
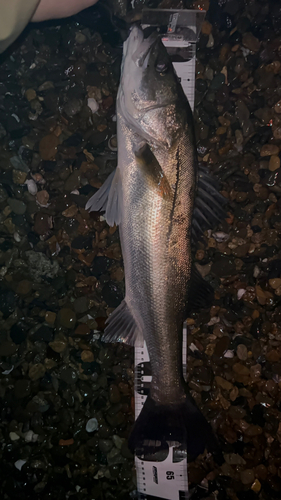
(143, 45)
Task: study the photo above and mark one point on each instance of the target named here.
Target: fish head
(150, 96)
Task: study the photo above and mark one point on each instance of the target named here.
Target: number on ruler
(170, 475)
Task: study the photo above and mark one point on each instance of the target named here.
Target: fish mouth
(139, 46)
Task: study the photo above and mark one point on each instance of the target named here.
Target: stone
(81, 305)
(40, 266)
(73, 181)
(256, 486)
(68, 375)
(247, 476)
(275, 283)
(82, 329)
(87, 356)
(105, 445)
(92, 104)
(36, 371)
(50, 317)
(114, 394)
(92, 425)
(59, 344)
(251, 42)
(224, 384)
(66, 318)
(17, 206)
(242, 352)
(22, 388)
(7, 348)
(269, 150)
(18, 333)
(48, 147)
(42, 198)
(19, 177)
(274, 163)
(30, 94)
(14, 436)
(206, 28)
(44, 333)
(24, 287)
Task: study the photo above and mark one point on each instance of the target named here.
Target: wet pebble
(17, 206)
(92, 425)
(66, 318)
(68, 375)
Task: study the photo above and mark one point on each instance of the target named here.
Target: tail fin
(180, 422)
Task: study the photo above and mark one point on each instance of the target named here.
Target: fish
(152, 197)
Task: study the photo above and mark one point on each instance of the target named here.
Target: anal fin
(121, 327)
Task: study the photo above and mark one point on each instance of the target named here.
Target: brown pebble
(206, 28)
(59, 344)
(66, 442)
(242, 352)
(82, 329)
(48, 147)
(241, 369)
(224, 384)
(274, 282)
(272, 356)
(269, 150)
(87, 356)
(19, 177)
(30, 94)
(274, 163)
(256, 486)
(222, 346)
(43, 197)
(247, 476)
(50, 317)
(221, 130)
(251, 42)
(36, 371)
(24, 287)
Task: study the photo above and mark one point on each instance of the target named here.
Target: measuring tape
(165, 478)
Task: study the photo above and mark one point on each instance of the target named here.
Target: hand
(57, 9)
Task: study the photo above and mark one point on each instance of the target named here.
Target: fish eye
(161, 67)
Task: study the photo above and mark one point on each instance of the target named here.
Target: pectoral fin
(152, 170)
(109, 199)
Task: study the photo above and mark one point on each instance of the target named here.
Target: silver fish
(151, 196)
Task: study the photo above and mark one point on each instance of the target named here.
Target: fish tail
(183, 423)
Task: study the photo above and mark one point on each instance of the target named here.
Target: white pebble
(93, 105)
(213, 321)
(193, 347)
(75, 192)
(256, 271)
(19, 463)
(31, 186)
(211, 41)
(14, 436)
(228, 354)
(30, 437)
(240, 293)
(17, 237)
(92, 425)
(220, 236)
